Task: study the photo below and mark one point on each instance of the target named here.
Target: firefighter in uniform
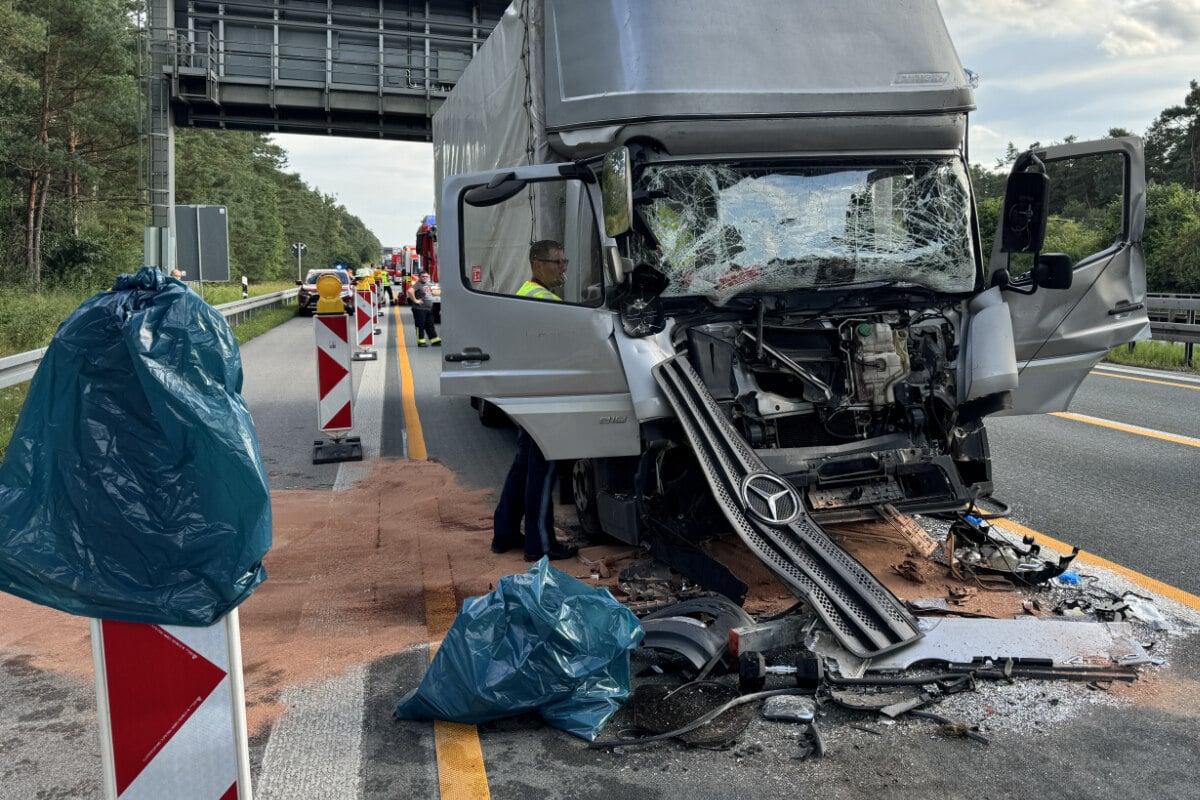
(528, 492)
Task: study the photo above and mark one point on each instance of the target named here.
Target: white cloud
(1049, 18)
(1127, 36)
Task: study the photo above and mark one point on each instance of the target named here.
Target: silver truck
(777, 310)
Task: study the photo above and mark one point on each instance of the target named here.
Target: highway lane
(1126, 496)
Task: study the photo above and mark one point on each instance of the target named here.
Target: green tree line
(1084, 213)
(70, 212)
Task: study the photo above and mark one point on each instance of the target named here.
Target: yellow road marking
(1118, 426)
(1146, 380)
(461, 773)
(412, 422)
(1145, 581)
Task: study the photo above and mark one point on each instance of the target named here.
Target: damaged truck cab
(776, 308)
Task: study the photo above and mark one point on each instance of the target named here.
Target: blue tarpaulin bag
(542, 640)
(133, 488)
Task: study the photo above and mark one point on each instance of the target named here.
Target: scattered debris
(953, 728)
(1144, 609)
(1071, 630)
(909, 570)
(789, 708)
(976, 549)
(922, 544)
(813, 743)
(984, 642)
(697, 629)
(647, 581)
(662, 709)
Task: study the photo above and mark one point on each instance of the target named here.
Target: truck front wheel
(583, 480)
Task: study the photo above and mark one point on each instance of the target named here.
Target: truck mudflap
(866, 618)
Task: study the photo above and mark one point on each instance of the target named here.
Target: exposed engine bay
(854, 410)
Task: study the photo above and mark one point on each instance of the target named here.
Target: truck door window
(497, 239)
(1087, 212)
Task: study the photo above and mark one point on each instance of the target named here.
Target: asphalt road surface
(1116, 493)
(1126, 495)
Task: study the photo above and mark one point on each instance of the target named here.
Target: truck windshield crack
(725, 229)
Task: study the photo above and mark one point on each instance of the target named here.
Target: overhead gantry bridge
(376, 68)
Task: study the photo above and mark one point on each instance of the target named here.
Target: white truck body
(799, 289)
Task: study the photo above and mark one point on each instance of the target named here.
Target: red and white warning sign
(172, 710)
(335, 378)
(364, 318)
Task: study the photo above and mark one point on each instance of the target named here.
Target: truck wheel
(583, 479)
(489, 415)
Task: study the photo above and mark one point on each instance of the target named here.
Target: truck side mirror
(1054, 271)
(500, 188)
(616, 189)
(1025, 211)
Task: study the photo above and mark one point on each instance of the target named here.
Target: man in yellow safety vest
(548, 266)
(528, 493)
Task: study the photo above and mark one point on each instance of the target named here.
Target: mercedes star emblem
(770, 498)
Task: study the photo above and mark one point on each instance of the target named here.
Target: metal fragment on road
(966, 641)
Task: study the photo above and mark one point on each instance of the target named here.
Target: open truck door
(548, 359)
(1094, 213)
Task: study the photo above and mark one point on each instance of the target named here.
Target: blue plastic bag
(542, 640)
(133, 488)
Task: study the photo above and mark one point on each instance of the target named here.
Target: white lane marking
(1158, 375)
(368, 418)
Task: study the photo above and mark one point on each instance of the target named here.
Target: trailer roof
(612, 61)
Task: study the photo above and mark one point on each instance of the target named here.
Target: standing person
(528, 491)
(422, 305)
(387, 287)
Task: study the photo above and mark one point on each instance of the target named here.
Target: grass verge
(1154, 355)
(28, 321)
(13, 398)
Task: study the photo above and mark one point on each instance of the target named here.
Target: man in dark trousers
(422, 306)
(528, 491)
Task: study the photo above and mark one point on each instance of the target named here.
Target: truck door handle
(1112, 312)
(468, 354)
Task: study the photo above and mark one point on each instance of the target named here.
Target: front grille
(866, 618)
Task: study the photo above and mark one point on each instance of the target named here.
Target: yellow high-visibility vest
(536, 291)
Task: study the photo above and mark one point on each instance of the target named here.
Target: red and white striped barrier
(335, 376)
(172, 712)
(364, 318)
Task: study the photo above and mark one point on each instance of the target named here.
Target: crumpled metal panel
(1063, 643)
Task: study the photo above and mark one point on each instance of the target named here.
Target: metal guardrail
(1173, 319)
(20, 367)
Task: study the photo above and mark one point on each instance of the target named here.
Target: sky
(1047, 69)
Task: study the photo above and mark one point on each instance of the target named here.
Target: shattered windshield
(724, 229)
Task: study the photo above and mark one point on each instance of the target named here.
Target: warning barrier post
(172, 711)
(364, 314)
(335, 376)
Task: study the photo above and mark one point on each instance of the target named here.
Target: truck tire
(583, 481)
(490, 416)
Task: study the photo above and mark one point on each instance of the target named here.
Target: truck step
(865, 617)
